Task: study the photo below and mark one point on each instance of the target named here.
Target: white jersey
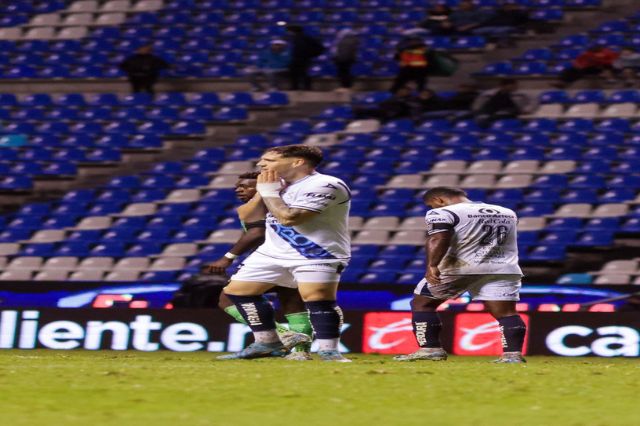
(484, 239)
(323, 237)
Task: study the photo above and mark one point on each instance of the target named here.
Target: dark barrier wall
(565, 334)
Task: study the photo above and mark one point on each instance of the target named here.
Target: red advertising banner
(479, 334)
(388, 333)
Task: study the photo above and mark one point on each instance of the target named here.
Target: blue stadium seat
(398, 251)
(594, 239)
(43, 250)
(618, 195)
(585, 96)
(386, 277)
(144, 249)
(584, 195)
(631, 225)
(535, 210)
(159, 276)
(587, 181)
(602, 224)
(546, 253)
(564, 223)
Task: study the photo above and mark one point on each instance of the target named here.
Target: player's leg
(512, 328)
(500, 294)
(246, 289)
(231, 309)
(258, 314)
(297, 317)
(426, 321)
(427, 326)
(325, 315)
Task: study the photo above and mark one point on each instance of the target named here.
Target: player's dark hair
(312, 154)
(443, 191)
(249, 175)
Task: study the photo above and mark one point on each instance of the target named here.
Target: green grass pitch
(166, 388)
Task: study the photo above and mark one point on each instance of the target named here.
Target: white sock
(269, 336)
(328, 344)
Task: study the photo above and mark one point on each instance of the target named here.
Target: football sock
(513, 330)
(326, 319)
(258, 314)
(426, 328)
(233, 312)
(300, 323)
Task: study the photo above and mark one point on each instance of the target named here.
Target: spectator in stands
(142, 69)
(467, 17)
(627, 66)
(431, 105)
(505, 20)
(400, 105)
(501, 103)
(304, 49)
(437, 20)
(344, 53)
(413, 57)
(596, 60)
(272, 66)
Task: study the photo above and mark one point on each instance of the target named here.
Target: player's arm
(251, 239)
(288, 216)
(253, 210)
(436, 246)
(269, 189)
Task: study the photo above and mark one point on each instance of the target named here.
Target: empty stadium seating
(214, 39)
(571, 189)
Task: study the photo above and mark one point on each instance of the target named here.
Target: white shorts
(287, 273)
(481, 287)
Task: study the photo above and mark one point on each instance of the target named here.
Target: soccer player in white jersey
(307, 245)
(471, 246)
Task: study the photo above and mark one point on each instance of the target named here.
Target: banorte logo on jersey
(388, 333)
(479, 334)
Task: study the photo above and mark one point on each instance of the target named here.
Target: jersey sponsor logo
(488, 211)
(388, 333)
(330, 186)
(433, 213)
(320, 195)
(479, 334)
(299, 242)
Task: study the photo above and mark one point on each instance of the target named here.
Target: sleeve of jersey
(319, 197)
(439, 221)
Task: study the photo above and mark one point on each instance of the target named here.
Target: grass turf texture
(167, 388)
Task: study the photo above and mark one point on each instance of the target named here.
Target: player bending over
(471, 246)
(252, 218)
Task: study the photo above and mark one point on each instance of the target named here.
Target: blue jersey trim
(300, 243)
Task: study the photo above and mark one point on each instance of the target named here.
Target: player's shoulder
(482, 208)
(329, 181)
(441, 214)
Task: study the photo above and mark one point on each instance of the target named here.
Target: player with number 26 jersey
(484, 240)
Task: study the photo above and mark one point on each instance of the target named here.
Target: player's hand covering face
(269, 176)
